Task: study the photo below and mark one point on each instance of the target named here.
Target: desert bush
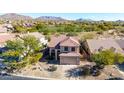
(71, 34)
(52, 68)
(100, 32)
(87, 36)
(15, 65)
(35, 58)
(107, 57)
(48, 37)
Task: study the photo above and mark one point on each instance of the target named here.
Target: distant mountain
(14, 16)
(52, 18)
(119, 20)
(81, 20)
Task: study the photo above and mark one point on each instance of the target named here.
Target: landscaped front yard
(67, 72)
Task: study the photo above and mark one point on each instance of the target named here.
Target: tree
(35, 58)
(20, 29)
(107, 57)
(119, 58)
(14, 51)
(16, 45)
(71, 34)
(69, 28)
(20, 48)
(11, 56)
(87, 36)
(41, 27)
(31, 44)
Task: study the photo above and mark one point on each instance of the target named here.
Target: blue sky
(93, 16)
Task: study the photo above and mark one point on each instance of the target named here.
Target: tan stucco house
(65, 49)
(97, 45)
(3, 38)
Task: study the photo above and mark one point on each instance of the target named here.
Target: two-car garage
(69, 59)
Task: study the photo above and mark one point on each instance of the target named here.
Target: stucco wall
(62, 49)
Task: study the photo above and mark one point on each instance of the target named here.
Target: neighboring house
(97, 45)
(8, 26)
(3, 38)
(6, 36)
(39, 36)
(3, 29)
(120, 43)
(65, 49)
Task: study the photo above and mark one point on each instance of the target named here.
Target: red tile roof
(63, 40)
(69, 41)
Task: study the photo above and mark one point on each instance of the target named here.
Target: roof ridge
(64, 39)
(68, 37)
(74, 40)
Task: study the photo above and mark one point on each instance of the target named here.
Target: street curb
(33, 77)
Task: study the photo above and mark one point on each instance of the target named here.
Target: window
(65, 48)
(73, 49)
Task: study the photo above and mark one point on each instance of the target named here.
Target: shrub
(52, 68)
(86, 71)
(48, 37)
(100, 32)
(72, 34)
(16, 65)
(35, 58)
(96, 72)
(87, 36)
(107, 57)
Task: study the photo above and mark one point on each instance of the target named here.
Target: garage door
(69, 60)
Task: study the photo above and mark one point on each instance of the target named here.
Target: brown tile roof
(94, 45)
(55, 40)
(63, 40)
(69, 41)
(70, 54)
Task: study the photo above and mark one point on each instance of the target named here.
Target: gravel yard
(111, 69)
(39, 70)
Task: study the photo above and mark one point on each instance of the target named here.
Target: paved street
(10, 77)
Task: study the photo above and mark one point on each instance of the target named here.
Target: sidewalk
(33, 77)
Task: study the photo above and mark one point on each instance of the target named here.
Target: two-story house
(65, 49)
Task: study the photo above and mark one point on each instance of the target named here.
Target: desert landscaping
(56, 48)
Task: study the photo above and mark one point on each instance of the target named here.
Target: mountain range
(81, 19)
(50, 18)
(14, 16)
